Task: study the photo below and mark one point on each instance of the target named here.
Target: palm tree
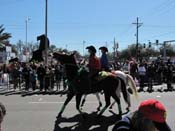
(4, 36)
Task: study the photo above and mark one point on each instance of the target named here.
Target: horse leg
(69, 98)
(100, 103)
(126, 94)
(118, 102)
(107, 100)
(78, 100)
(83, 101)
(111, 106)
(128, 102)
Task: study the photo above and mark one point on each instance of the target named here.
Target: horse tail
(126, 95)
(132, 84)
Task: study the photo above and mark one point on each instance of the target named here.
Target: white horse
(128, 81)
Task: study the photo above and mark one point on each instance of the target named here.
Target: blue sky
(97, 22)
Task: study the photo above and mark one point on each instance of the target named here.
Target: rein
(71, 82)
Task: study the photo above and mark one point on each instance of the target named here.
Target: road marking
(158, 96)
(51, 102)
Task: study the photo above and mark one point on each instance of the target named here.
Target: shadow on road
(91, 123)
(24, 93)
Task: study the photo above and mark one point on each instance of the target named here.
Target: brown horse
(79, 84)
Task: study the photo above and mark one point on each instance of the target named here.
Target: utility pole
(46, 22)
(114, 48)
(137, 36)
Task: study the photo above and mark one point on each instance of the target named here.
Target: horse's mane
(65, 58)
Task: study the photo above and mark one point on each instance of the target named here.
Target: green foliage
(4, 36)
(142, 52)
(170, 50)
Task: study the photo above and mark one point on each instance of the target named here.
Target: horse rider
(104, 59)
(93, 64)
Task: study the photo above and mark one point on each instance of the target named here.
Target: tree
(4, 36)
(53, 48)
(170, 50)
(19, 46)
(143, 52)
(128, 52)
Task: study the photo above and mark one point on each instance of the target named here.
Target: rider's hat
(92, 48)
(104, 48)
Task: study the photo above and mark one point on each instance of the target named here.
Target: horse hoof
(98, 109)
(110, 108)
(83, 116)
(130, 91)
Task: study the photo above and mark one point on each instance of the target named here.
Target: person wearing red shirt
(94, 62)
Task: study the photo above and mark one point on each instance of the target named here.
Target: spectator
(150, 74)
(33, 77)
(133, 69)
(169, 75)
(58, 76)
(150, 116)
(142, 73)
(2, 113)
(41, 74)
(26, 74)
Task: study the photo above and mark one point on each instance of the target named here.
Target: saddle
(103, 74)
(88, 82)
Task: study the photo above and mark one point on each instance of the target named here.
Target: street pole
(46, 22)
(83, 47)
(164, 50)
(137, 36)
(114, 48)
(26, 24)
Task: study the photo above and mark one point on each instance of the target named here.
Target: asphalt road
(38, 112)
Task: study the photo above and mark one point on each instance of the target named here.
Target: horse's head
(69, 63)
(41, 37)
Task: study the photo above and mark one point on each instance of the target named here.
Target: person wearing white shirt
(142, 73)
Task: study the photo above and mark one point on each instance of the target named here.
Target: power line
(161, 6)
